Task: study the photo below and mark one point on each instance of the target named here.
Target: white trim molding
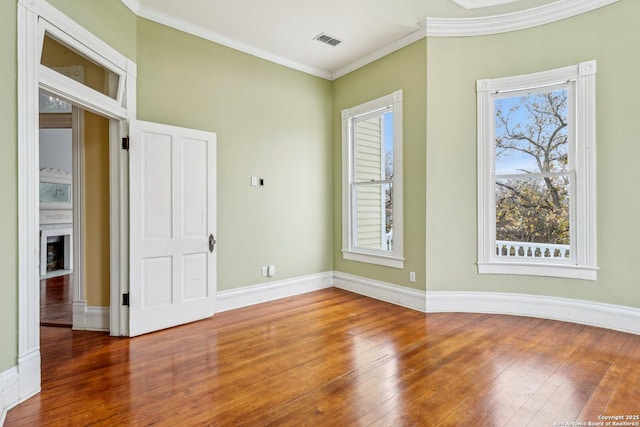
(9, 391)
(609, 316)
(383, 291)
(256, 294)
(430, 27)
(89, 318)
(487, 25)
(155, 15)
(479, 4)
(133, 5)
(382, 52)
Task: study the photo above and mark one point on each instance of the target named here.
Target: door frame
(32, 77)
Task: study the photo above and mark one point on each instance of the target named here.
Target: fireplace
(56, 223)
(56, 249)
(55, 253)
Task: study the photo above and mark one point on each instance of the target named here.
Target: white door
(172, 192)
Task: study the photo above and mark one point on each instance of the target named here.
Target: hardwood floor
(333, 358)
(56, 301)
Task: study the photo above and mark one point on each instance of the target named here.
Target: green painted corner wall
(271, 122)
(404, 69)
(9, 179)
(453, 66)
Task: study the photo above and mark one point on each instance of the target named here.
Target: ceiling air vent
(326, 39)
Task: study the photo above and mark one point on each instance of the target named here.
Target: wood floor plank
(56, 301)
(334, 358)
(467, 377)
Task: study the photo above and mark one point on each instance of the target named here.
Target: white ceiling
(283, 31)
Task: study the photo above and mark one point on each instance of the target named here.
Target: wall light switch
(254, 181)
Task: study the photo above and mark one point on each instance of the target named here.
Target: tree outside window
(532, 169)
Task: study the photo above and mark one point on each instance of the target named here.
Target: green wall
(9, 179)
(607, 35)
(271, 122)
(406, 70)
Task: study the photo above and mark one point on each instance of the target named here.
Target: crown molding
(431, 27)
(377, 54)
(198, 31)
(482, 26)
(479, 4)
(133, 5)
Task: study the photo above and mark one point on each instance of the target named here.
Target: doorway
(39, 21)
(56, 216)
(74, 215)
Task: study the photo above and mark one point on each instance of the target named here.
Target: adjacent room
(355, 212)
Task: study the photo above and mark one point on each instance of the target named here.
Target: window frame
(97, 52)
(580, 82)
(393, 258)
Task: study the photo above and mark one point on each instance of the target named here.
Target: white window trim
(394, 259)
(584, 264)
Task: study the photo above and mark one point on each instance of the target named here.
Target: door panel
(172, 214)
(194, 184)
(156, 165)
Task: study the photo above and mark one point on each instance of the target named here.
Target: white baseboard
(19, 383)
(87, 318)
(9, 391)
(609, 316)
(256, 294)
(399, 295)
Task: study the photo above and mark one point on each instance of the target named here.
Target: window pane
(368, 149)
(373, 148)
(67, 61)
(387, 135)
(531, 133)
(532, 210)
(373, 216)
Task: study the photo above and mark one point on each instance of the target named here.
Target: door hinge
(125, 143)
(125, 299)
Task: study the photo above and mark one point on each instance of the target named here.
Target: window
(65, 60)
(536, 174)
(372, 181)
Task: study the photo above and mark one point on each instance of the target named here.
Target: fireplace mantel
(56, 216)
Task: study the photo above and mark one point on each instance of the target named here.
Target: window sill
(384, 260)
(536, 269)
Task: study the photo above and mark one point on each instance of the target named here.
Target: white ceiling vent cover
(327, 39)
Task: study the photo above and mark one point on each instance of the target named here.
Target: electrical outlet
(412, 276)
(271, 271)
(263, 271)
